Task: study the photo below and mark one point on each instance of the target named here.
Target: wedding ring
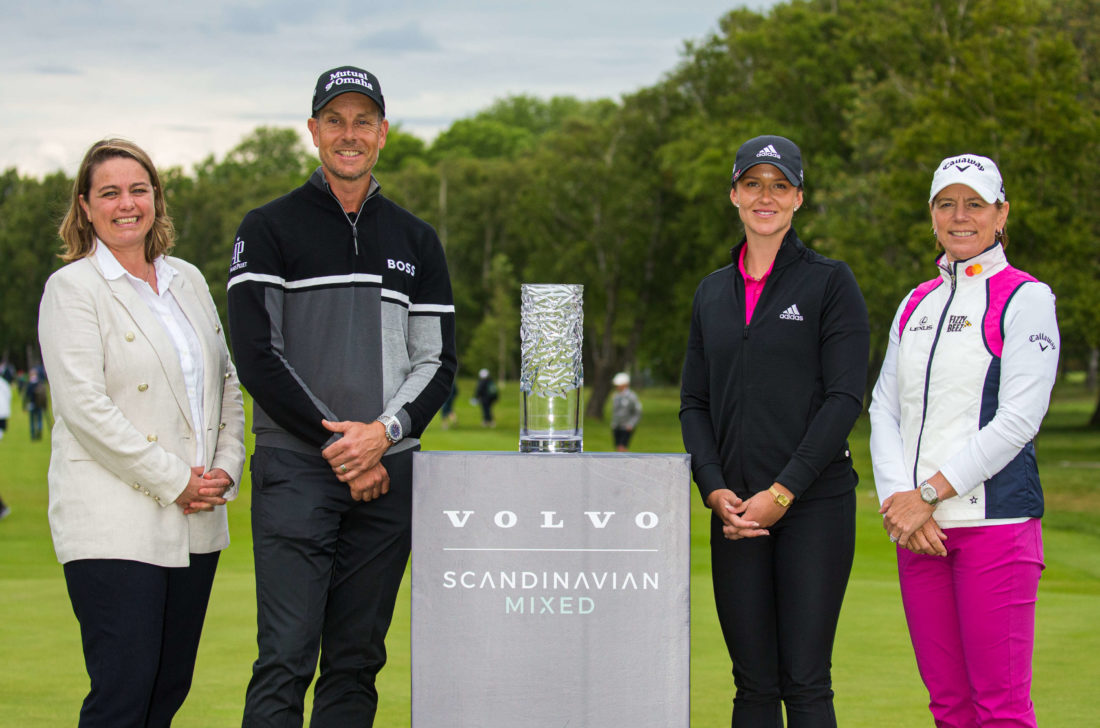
(893, 539)
(344, 469)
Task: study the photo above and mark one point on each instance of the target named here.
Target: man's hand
(358, 451)
(375, 483)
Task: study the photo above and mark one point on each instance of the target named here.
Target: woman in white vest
(965, 384)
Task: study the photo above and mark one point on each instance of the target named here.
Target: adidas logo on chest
(792, 313)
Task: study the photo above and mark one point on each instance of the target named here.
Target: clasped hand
(204, 490)
(356, 457)
(745, 519)
(908, 520)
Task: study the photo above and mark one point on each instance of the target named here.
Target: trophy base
(550, 442)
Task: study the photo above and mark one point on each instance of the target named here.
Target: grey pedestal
(550, 590)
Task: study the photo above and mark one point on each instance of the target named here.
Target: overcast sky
(190, 78)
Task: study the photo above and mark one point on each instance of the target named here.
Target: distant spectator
(5, 412)
(5, 400)
(447, 411)
(626, 411)
(486, 395)
(36, 398)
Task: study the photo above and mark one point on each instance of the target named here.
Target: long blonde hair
(76, 231)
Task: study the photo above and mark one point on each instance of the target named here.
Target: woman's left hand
(763, 509)
(928, 539)
(904, 514)
(210, 490)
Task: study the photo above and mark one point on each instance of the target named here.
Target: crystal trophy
(551, 372)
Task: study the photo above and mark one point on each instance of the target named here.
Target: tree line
(630, 197)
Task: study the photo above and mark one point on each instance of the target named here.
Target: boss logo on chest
(406, 268)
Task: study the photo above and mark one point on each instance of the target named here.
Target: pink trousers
(971, 617)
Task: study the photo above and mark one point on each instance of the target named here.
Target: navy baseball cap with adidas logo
(769, 149)
(331, 84)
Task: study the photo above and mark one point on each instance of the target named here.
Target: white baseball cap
(620, 379)
(976, 172)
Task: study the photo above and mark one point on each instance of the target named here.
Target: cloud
(407, 38)
(54, 70)
(187, 79)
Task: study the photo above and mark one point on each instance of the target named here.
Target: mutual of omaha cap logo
(341, 80)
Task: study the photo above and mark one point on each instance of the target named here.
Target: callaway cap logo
(959, 162)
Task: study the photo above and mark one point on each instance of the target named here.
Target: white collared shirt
(175, 323)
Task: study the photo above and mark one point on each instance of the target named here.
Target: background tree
(30, 212)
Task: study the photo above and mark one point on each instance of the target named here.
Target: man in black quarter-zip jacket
(342, 324)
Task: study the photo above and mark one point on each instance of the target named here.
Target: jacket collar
(320, 182)
(112, 270)
(987, 263)
(790, 250)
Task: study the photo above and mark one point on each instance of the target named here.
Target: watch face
(393, 430)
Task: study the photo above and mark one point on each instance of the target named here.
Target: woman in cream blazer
(140, 376)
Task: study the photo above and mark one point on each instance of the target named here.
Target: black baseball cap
(331, 84)
(770, 149)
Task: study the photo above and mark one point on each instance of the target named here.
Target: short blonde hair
(76, 231)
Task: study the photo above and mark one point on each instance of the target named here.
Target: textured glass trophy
(551, 373)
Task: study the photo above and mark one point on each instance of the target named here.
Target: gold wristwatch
(780, 499)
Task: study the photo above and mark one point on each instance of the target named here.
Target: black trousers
(140, 626)
(328, 569)
(778, 600)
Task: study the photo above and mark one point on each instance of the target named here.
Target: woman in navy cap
(773, 381)
(965, 384)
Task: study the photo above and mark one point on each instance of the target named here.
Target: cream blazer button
(129, 335)
(151, 438)
(221, 426)
(142, 387)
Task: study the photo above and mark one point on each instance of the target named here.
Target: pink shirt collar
(753, 287)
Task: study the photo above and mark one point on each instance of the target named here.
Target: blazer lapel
(192, 306)
(147, 322)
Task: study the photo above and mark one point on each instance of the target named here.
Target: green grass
(42, 678)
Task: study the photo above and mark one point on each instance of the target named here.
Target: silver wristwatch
(394, 431)
(928, 493)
